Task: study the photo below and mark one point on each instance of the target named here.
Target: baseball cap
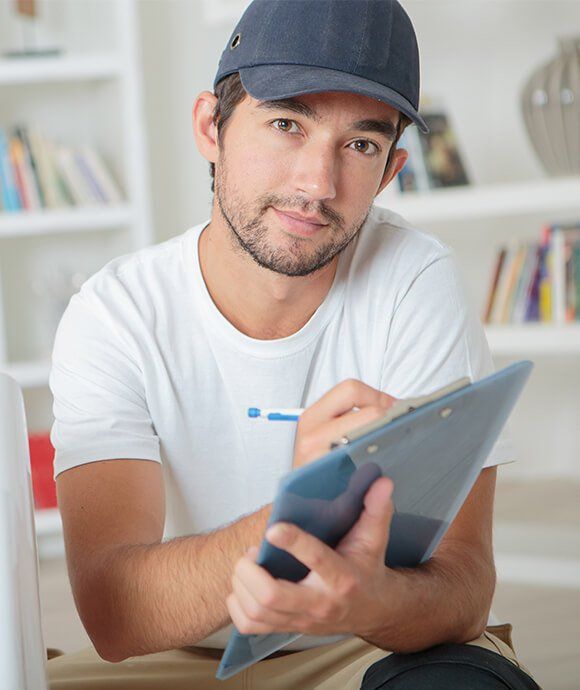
(285, 48)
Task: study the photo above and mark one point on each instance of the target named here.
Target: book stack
(37, 174)
(537, 281)
(434, 158)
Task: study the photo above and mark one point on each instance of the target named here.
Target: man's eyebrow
(292, 105)
(384, 127)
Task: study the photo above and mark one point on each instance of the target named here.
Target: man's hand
(340, 593)
(332, 417)
(342, 590)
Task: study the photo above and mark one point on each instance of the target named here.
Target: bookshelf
(91, 93)
(82, 68)
(511, 199)
(75, 219)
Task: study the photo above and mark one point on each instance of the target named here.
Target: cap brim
(272, 82)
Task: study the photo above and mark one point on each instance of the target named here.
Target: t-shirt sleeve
(100, 408)
(436, 338)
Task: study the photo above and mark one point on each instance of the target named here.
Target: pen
(291, 414)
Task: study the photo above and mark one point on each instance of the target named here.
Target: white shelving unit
(14, 225)
(68, 68)
(105, 85)
(465, 204)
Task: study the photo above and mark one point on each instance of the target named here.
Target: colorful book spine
(8, 187)
(537, 281)
(31, 167)
(35, 174)
(103, 178)
(491, 296)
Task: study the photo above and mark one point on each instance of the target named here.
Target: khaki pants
(341, 665)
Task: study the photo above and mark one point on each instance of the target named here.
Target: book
(537, 281)
(414, 176)
(434, 158)
(502, 294)
(77, 186)
(31, 169)
(513, 279)
(101, 175)
(500, 258)
(8, 187)
(37, 174)
(16, 160)
(523, 289)
(440, 149)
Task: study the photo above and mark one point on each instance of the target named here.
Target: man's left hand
(346, 590)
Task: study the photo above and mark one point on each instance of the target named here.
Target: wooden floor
(538, 559)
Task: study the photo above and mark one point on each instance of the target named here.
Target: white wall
(476, 55)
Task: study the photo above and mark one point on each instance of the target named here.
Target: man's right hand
(331, 417)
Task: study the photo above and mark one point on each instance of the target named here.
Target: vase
(551, 110)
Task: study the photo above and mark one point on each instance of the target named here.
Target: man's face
(295, 180)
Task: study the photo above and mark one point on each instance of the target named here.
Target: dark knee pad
(445, 667)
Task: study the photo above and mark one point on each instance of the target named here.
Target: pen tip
(253, 412)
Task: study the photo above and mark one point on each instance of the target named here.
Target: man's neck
(260, 303)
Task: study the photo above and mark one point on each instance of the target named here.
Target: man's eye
(365, 146)
(283, 125)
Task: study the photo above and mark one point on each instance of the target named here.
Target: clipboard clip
(400, 408)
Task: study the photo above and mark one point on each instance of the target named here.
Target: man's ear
(204, 128)
(397, 163)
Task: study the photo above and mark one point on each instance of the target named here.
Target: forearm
(149, 598)
(446, 600)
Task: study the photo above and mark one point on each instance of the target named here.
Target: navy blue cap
(285, 48)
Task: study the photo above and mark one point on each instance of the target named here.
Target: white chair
(22, 650)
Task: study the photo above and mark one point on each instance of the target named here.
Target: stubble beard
(251, 234)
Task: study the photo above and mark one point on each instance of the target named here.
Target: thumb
(370, 533)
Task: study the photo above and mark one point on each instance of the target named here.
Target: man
(297, 293)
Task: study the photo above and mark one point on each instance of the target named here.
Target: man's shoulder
(391, 252)
(142, 268)
(390, 233)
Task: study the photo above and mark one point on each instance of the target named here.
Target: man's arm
(136, 595)
(447, 599)
(350, 590)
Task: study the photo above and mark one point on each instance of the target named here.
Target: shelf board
(59, 69)
(550, 195)
(32, 374)
(74, 219)
(536, 339)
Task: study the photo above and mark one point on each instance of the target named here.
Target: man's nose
(315, 171)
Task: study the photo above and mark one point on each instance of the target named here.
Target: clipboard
(432, 447)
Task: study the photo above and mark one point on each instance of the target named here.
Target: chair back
(22, 650)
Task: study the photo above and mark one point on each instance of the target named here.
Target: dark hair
(230, 92)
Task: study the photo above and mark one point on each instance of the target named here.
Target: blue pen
(276, 415)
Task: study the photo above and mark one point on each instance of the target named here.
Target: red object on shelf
(41, 462)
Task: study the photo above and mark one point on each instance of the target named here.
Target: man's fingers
(253, 608)
(309, 550)
(317, 442)
(279, 596)
(370, 534)
(341, 399)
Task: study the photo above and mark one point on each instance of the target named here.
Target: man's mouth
(299, 224)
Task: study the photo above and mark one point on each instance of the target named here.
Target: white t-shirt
(145, 366)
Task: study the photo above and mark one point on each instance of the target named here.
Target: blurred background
(97, 159)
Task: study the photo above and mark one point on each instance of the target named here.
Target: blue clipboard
(433, 448)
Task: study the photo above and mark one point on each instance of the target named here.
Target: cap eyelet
(235, 41)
